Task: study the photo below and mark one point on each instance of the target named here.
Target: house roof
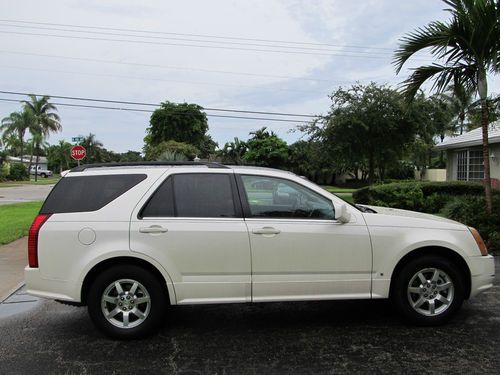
(471, 138)
(26, 159)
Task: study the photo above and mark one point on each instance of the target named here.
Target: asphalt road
(44, 337)
(24, 193)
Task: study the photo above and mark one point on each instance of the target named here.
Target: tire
(43, 175)
(143, 297)
(429, 290)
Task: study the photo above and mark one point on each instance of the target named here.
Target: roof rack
(84, 167)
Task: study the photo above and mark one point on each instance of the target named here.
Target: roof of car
(169, 164)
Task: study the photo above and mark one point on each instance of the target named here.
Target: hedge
(421, 196)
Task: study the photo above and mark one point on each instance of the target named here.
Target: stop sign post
(78, 153)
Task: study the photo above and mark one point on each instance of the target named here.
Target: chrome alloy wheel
(125, 303)
(430, 291)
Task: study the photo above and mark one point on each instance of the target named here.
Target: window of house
(470, 165)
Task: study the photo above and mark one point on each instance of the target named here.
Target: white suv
(127, 240)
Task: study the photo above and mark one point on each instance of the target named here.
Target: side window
(193, 195)
(270, 197)
(161, 204)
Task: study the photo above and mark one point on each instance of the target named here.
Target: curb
(11, 292)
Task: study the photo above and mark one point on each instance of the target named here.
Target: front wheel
(127, 302)
(429, 290)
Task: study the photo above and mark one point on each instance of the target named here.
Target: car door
(299, 251)
(193, 225)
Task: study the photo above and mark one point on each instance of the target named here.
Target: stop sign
(78, 152)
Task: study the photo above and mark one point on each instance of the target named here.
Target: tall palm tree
(460, 100)
(18, 123)
(467, 48)
(46, 120)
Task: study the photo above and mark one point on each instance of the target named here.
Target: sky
(270, 55)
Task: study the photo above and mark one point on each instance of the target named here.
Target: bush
(469, 210)
(18, 172)
(421, 196)
(4, 171)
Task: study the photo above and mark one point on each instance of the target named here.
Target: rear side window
(88, 193)
(193, 195)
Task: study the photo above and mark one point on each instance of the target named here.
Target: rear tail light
(33, 240)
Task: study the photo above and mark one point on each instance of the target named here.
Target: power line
(195, 35)
(150, 111)
(190, 45)
(198, 40)
(180, 68)
(154, 104)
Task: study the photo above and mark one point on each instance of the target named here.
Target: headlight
(479, 241)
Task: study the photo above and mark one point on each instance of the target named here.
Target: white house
(465, 155)
(42, 160)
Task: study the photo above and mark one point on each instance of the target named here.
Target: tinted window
(193, 195)
(203, 195)
(279, 198)
(161, 203)
(88, 193)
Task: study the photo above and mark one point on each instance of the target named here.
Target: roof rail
(84, 167)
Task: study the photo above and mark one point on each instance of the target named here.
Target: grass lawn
(15, 220)
(41, 181)
(336, 189)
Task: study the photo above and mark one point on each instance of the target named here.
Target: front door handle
(153, 229)
(266, 230)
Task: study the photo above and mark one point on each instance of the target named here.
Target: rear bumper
(482, 269)
(50, 288)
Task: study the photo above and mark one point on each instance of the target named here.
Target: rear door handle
(266, 230)
(153, 229)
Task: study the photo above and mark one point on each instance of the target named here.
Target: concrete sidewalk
(13, 259)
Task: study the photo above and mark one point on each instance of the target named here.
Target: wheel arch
(124, 260)
(441, 251)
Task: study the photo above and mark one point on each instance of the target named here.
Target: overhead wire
(150, 111)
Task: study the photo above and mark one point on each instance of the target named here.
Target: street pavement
(24, 193)
(351, 337)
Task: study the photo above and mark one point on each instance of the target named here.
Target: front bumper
(482, 269)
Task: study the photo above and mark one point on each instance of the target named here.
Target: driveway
(24, 193)
(44, 337)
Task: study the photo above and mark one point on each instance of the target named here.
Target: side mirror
(341, 213)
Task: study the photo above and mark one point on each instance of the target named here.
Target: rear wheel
(429, 290)
(43, 175)
(127, 302)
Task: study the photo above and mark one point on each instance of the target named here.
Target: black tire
(148, 287)
(43, 175)
(404, 300)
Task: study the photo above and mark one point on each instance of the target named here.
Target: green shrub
(421, 196)
(18, 172)
(4, 171)
(470, 210)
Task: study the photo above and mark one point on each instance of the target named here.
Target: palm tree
(46, 120)
(460, 100)
(17, 123)
(467, 48)
(234, 151)
(92, 145)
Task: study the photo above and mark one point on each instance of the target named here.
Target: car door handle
(153, 229)
(266, 230)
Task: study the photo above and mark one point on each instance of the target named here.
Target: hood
(386, 216)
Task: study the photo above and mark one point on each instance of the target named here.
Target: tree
(17, 123)
(130, 156)
(266, 149)
(460, 100)
(93, 146)
(45, 121)
(184, 123)
(171, 150)
(366, 129)
(234, 152)
(467, 47)
(59, 156)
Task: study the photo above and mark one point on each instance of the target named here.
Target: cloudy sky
(270, 55)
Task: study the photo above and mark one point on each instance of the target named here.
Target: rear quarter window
(88, 193)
